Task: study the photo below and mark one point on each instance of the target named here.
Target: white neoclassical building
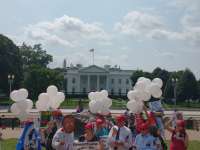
(81, 80)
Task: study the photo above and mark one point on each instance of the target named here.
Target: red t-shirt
(177, 141)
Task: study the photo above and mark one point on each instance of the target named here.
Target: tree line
(29, 64)
(181, 85)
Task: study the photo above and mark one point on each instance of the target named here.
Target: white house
(81, 80)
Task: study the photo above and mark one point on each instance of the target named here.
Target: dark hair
(66, 117)
(153, 131)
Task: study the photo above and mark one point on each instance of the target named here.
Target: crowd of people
(142, 131)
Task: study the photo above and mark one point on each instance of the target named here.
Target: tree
(169, 89)
(139, 73)
(162, 74)
(34, 55)
(39, 78)
(10, 63)
(187, 87)
(199, 89)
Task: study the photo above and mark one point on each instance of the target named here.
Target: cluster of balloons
(50, 100)
(142, 91)
(99, 102)
(22, 105)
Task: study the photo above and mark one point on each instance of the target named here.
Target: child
(179, 139)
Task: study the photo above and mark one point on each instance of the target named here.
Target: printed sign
(104, 139)
(85, 146)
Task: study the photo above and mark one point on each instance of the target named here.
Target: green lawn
(11, 143)
(117, 104)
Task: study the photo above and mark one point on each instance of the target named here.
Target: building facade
(82, 80)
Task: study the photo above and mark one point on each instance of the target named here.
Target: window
(112, 91)
(112, 81)
(73, 90)
(84, 90)
(127, 81)
(73, 80)
(120, 81)
(120, 91)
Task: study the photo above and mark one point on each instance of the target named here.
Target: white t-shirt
(59, 136)
(125, 136)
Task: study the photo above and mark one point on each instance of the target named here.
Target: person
(145, 141)
(179, 138)
(155, 131)
(89, 135)
(48, 134)
(57, 116)
(123, 137)
(100, 129)
(64, 137)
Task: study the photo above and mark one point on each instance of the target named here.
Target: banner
(104, 139)
(85, 146)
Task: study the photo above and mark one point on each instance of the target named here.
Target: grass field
(11, 143)
(116, 104)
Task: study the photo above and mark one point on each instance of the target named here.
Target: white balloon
(52, 90)
(43, 97)
(14, 95)
(92, 107)
(146, 95)
(155, 90)
(157, 94)
(135, 106)
(23, 94)
(104, 93)
(14, 109)
(130, 95)
(107, 102)
(140, 85)
(141, 78)
(97, 96)
(158, 81)
(42, 105)
(95, 106)
(60, 96)
(30, 104)
(22, 105)
(136, 95)
(55, 104)
(91, 95)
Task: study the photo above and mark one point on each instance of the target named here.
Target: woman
(48, 134)
(179, 138)
(89, 136)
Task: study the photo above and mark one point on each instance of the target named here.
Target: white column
(107, 83)
(98, 82)
(88, 88)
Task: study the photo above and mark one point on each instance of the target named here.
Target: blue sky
(134, 34)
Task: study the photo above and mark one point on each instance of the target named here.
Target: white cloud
(142, 25)
(66, 31)
(137, 23)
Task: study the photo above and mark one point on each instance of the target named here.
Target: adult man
(145, 141)
(64, 137)
(123, 137)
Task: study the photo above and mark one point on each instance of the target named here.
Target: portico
(94, 78)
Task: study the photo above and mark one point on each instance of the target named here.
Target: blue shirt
(147, 142)
(101, 132)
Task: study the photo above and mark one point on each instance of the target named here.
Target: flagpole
(92, 51)
(93, 57)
